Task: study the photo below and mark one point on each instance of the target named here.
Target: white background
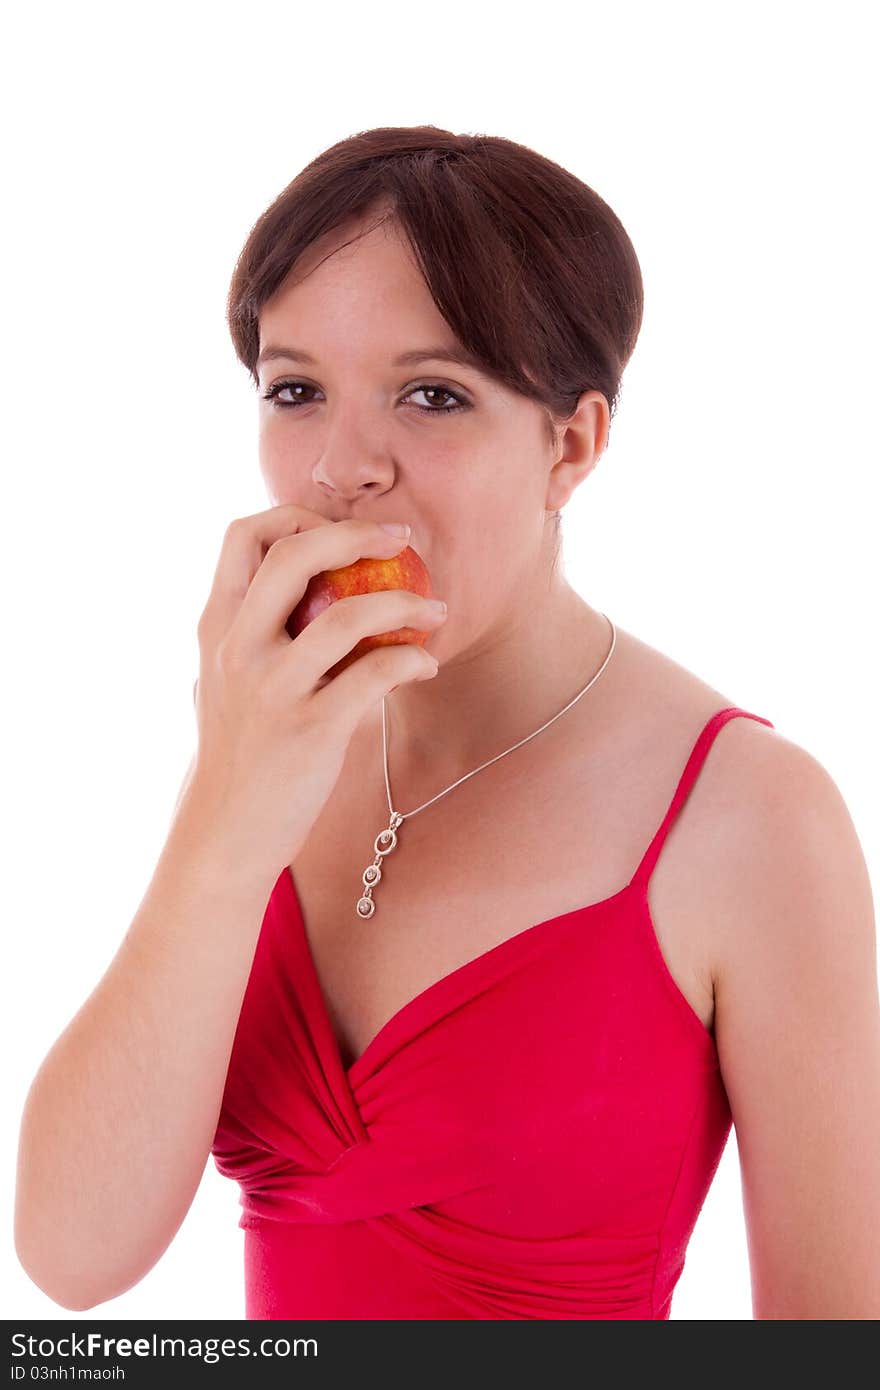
(731, 523)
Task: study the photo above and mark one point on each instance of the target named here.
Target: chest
(503, 851)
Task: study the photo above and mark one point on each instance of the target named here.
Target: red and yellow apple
(366, 575)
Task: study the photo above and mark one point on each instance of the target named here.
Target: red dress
(531, 1136)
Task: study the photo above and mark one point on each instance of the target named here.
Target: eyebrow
(406, 359)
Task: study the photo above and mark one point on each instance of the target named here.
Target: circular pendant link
(385, 842)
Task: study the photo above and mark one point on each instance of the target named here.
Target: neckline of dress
(637, 883)
(475, 963)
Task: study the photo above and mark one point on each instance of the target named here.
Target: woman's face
(435, 443)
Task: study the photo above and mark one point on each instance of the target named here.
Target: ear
(580, 443)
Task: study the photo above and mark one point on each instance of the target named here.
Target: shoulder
(765, 832)
(789, 866)
(764, 847)
(758, 789)
(781, 870)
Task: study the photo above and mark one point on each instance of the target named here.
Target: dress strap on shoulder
(686, 781)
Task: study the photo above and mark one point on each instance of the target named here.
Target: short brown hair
(531, 269)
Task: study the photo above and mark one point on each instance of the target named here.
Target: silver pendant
(383, 844)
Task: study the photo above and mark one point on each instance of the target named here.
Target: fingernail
(396, 528)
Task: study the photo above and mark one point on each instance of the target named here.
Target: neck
(501, 687)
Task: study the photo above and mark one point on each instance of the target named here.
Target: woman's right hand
(271, 739)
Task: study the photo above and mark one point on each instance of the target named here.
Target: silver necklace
(387, 839)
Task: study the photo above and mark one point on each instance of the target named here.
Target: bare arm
(118, 1123)
(798, 1034)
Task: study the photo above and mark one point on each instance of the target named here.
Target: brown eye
(443, 391)
(272, 393)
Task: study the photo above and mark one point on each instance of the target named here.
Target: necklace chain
(387, 839)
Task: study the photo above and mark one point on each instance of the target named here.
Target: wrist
(214, 850)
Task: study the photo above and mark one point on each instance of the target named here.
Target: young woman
(464, 985)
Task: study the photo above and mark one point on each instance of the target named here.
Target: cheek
(269, 440)
(273, 479)
(464, 575)
(278, 466)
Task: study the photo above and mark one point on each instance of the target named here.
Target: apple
(407, 570)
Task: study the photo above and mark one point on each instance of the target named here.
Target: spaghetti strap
(686, 781)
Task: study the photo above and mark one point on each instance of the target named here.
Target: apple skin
(407, 570)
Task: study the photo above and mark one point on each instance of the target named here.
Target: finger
(345, 699)
(245, 545)
(284, 575)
